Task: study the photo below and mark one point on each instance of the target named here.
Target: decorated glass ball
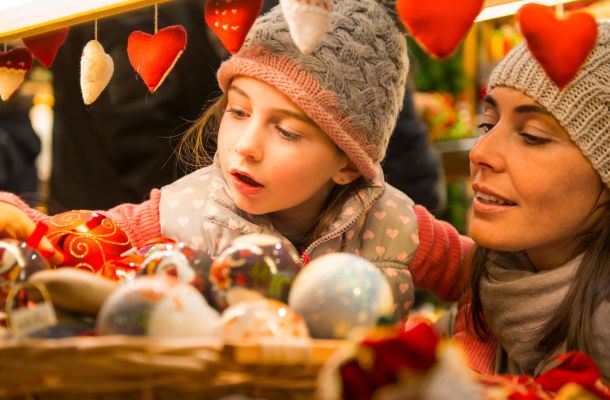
(255, 263)
(18, 262)
(338, 292)
(160, 306)
(262, 318)
(87, 239)
(160, 243)
(179, 260)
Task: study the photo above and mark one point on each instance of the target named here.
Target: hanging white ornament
(96, 69)
(308, 21)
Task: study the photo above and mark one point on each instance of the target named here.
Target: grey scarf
(518, 301)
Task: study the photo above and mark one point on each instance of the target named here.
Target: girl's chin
(248, 207)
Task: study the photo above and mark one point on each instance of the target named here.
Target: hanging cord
(559, 11)
(95, 30)
(156, 17)
(5, 48)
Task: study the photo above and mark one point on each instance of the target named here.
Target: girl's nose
(250, 143)
(487, 152)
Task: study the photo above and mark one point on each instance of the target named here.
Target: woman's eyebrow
(531, 108)
(490, 100)
(522, 109)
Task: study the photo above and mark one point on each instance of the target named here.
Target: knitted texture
(351, 85)
(582, 108)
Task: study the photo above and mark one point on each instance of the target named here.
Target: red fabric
(44, 47)
(17, 59)
(231, 21)
(441, 263)
(578, 368)
(411, 348)
(560, 46)
(481, 354)
(140, 221)
(36, 236)
(442, 266)
(153, 56)
(439, 25)
(574, 367)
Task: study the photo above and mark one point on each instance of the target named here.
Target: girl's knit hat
(352, 84)
(582, 108)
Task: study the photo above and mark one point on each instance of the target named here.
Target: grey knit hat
(582, 108)
(352, 84)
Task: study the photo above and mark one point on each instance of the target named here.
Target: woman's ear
(347, 174)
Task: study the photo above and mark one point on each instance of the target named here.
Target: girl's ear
(347, 174)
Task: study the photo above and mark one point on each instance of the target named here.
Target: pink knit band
(305, 91)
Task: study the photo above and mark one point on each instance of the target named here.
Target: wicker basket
(119, 367)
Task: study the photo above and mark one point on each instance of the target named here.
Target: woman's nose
(487, 152)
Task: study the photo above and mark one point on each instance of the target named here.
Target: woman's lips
(487, 203)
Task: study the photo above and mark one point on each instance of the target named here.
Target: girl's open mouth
(246, 179)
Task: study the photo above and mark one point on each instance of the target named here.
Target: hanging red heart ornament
(561, 46)
(14, 65)
(231, 20)
(154, 56)
(44, 47)
(440, 25)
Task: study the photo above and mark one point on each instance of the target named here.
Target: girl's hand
(15, 224)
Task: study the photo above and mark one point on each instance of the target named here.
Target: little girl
(299, 142)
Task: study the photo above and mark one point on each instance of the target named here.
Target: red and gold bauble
(87, 239)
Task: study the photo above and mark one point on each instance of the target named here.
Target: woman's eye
(239, 114)
(533, 140)
(484, 128)
(286, 134)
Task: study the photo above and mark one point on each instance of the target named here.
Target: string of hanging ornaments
(438, 27)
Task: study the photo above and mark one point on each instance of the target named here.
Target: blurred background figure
(121, 146)
(19, 147)
(411, 164)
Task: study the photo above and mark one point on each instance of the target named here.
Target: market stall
(166, 319)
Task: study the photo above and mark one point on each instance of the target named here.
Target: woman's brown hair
(196, 147)
(572, 320)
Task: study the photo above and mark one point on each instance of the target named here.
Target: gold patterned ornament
(87, 239)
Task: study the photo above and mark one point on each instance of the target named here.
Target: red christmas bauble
(87, 239)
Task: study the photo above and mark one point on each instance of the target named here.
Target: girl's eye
(533, 140)
(484, 128)
(287, 135)
(239, 114)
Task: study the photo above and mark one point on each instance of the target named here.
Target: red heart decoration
(560, 46)
(439, 25)
(154, 56)
(231, 20)
(18, 59)
(44, 47)
(14, 64)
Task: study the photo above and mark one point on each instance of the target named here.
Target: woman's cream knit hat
(582, 107)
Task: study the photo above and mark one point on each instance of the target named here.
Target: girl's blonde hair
(198, 144)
